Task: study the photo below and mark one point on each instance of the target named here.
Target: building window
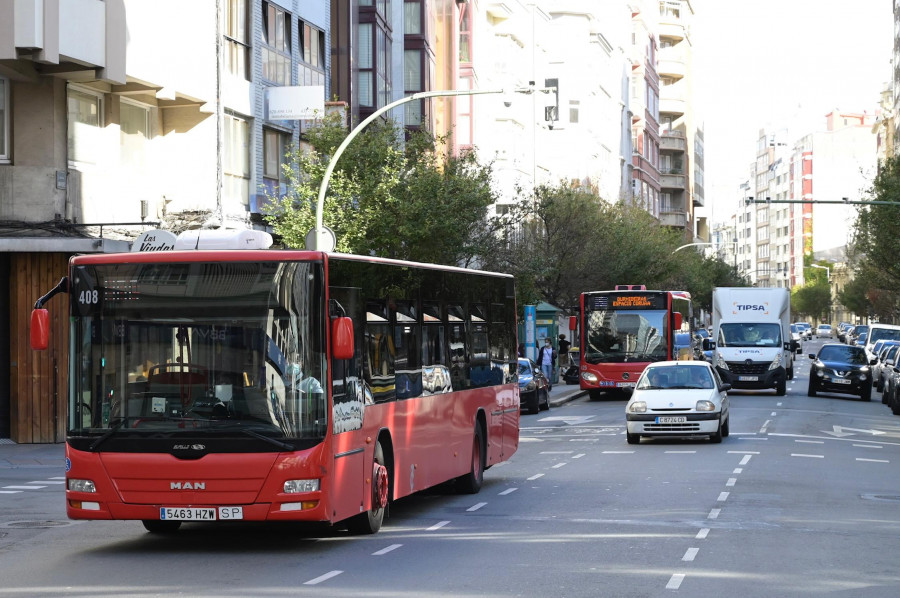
(465, 33)
(134, 132)
(374, 55)
(4, 120)
(670, 9)
(275, 149)
(574, 107)
(276, 44)
(85, 122)
(412, 81)
(236, 186)
(412, 17)
(237, 39)
(312, 65)
(464, 109)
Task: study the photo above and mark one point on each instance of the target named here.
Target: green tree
(407, 201)
(812, 299)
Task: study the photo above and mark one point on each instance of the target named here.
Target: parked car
(842, 369)
(855, 332)
(842, 329)
(860, 341)
(678, 398)
(806, 330)
(891, 394)
(534, 388)
(824, 331)
(886, 360)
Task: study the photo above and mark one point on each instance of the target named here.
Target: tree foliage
(407, 201)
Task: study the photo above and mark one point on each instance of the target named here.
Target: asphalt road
(803, 499)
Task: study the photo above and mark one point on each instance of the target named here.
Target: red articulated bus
(278, 385)
(624, 330)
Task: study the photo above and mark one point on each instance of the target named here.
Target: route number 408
(88, 297)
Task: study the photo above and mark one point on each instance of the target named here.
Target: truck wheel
(781, 388)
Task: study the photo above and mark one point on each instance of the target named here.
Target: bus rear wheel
(471, 482)
(370, 521)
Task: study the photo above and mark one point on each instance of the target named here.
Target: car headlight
(720, 362)
(530, 386)
(776, 363)
(863, 377)
(589, 377)
(638, 407)
(705, 406)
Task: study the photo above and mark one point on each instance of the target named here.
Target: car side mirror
(725, 387)
(874, 361)
(812, 355)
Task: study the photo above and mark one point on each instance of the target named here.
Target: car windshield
(675, 377)
(524, 368)
(890, 334)
(844, 354)
(741, 334)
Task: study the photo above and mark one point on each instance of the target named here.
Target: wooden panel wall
(38, 379)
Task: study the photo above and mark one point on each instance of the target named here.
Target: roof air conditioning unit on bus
(631, 287)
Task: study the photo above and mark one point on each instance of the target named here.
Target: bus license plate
(201, 513)
(748, 378)
(625, 384)
(680, 419)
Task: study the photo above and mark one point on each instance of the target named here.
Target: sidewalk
(563, 393)
(14, 456)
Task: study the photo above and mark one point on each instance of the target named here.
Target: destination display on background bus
(275, 385)
(624, 330)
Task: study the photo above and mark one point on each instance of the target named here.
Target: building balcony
(671, 28)
(672, 141)
(672, 180)
(672, 104)
(672, 63)
(676, 219)
(67, 37)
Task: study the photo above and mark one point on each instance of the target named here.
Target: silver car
(824, 331)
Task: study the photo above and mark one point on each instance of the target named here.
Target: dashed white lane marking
(714, 514)
(58, 478)
(807, 456)
(701, 535)
(690, 554)
(437, 526)
(535, 476)
(10, 491)
(556, 452)
(765, 426)
(49, 482)
(508, 491)
(743, 452)
(774, 414)
(731, 482)
(810, 441)
(390, 548)
(23, 487)
(738, 470)
(476, 506)
(873, 460)
(618, 452)
(681, 452)
(868, 445)
(578, 456)
(723, 496)
(675, 581)
(778, 404)
(745, 460)
(558, 465)
(322, 578)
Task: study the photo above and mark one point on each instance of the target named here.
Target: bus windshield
(198, 349)
(624, 336)
(740, 334)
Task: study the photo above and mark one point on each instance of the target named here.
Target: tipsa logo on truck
(764, 308)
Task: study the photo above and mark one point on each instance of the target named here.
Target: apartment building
(645, 137)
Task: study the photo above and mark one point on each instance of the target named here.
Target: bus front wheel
(370, 521)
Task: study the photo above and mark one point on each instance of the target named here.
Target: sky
(780, 64)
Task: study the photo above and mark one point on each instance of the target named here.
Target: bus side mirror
(342, 338)
(678, 320)
(40, 329)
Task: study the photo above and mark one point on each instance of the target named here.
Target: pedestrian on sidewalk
(547, 361)
(563, 355)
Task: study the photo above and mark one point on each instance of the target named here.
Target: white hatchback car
(824, 331)
(678, 398)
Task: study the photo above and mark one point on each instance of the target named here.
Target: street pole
(323, 238)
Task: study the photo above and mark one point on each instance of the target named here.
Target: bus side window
(379, 352)
(459, 350)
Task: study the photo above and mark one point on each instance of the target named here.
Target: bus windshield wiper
(106, 436)
(238, 428)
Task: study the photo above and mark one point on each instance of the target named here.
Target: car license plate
(678, 419)
(625, 384)
(200, 513)
(840, 381)
(748, 378)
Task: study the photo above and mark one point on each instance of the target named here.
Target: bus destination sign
(637, 301)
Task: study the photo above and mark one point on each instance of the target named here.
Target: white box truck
(751, 337)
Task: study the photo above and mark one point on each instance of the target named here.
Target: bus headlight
(295, 486)
(81, 485)
(589, 377)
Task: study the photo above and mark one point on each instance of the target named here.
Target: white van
(751, 342)
(880, 332)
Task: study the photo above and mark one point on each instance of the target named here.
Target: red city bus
(624, 330)
(277, 385)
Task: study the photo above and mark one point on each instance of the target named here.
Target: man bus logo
(187, 485)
